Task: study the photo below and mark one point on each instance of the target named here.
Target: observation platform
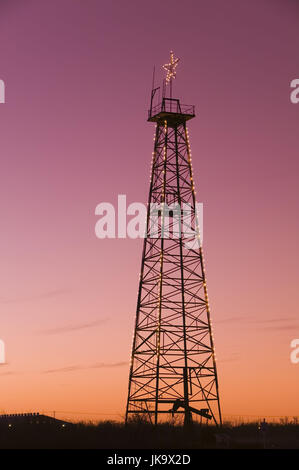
(172, 111)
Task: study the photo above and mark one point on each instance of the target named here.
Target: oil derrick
(173, 366)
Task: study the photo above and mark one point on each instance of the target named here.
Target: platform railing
(171, 105)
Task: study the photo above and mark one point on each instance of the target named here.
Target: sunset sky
(73, 133)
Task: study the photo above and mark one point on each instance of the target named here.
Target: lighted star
(170, 68)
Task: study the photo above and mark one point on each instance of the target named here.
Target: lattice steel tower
(173, 365)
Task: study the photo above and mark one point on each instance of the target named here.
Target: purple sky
(74, 133)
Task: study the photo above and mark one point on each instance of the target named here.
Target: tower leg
(188, 416)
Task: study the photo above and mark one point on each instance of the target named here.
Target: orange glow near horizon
(74, 134)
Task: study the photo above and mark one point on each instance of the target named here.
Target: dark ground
(108, 435)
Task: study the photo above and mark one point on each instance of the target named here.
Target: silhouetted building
(33, 419)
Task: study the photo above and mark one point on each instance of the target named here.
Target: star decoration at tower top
(170, 68)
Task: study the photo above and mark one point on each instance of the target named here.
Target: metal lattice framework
(173, 353)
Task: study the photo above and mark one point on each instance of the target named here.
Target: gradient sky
(73, 133)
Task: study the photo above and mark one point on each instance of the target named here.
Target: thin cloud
(98, 365)
(70, 328)
(44, 295)
(230, 320)
(258, 321)
(8, 373)
(279, 324)
(232, 358)
(294, 326)
(277, 320)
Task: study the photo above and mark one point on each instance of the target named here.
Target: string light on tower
(170, 68)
